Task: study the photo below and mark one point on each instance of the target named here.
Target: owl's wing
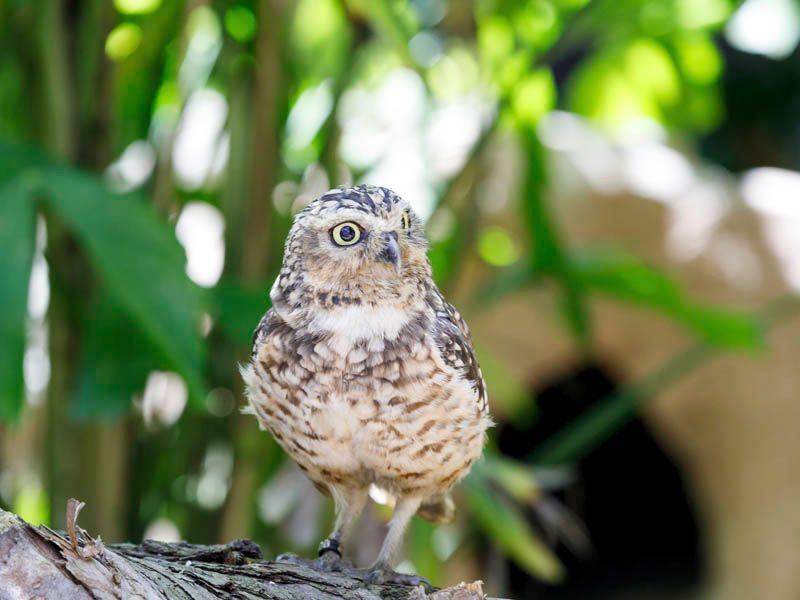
(455, 345)
(262, 331)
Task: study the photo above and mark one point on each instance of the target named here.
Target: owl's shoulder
(269, 325)
(453, 340)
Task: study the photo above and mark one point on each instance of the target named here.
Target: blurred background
(612, 198)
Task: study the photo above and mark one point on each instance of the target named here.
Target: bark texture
(37, 562)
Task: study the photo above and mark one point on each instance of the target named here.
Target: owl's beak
(391, 249)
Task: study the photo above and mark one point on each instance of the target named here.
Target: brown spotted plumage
(361, 370)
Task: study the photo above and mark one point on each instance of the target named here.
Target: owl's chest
(314, 371)
(336, 385)
(383, 408)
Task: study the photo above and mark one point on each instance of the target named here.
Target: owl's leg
(382, 571)
(349, 506)
(403, 511)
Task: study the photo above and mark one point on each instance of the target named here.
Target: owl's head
(364, 236)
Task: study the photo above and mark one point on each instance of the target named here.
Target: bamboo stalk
(255, 217)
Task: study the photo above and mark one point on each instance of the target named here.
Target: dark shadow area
(762, 100)
(628, 494)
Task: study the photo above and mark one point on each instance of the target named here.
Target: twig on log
(37, 562)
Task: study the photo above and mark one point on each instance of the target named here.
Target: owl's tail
(439, 509)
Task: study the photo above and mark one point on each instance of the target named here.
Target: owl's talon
(287, 557)
(329, 562)
(382, 576)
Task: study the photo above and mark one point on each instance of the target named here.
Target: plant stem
(597, 424)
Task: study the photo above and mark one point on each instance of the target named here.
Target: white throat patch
(350, 324)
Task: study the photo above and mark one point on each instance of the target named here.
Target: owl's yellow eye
(346, 234)
(406, 220)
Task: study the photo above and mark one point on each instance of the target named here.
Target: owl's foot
(383, 576)
(330, 558)
(393, 577)
(330, 561)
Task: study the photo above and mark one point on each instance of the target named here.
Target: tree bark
(37, 562)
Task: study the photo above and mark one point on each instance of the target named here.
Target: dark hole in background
(629, 495)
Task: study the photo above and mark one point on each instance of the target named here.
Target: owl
(362, 372)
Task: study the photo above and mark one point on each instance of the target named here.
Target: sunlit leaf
(240, 23)
(17, 236)
(496, 247)
(319, 37)
(31, 503)
(495, 38)
(536, 23)
(601, 90)
(136, 7)
(649, 66)
(699, 58)
(457, 74)
(123, 41)
(512, 69)
(708, 13)
(533, 96)
(509, 529)
(394, 20)
(571, 4)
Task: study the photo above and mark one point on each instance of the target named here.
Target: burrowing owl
(362, 371)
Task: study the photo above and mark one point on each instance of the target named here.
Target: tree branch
(40, 562)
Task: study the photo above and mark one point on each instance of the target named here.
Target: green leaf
(516, 478)
(319, 38)
(533, 96)
(511, 401)
(17, 159)
(141, 264)
(237, 310)
(723, 327)
(116, 360)
(547, 253)
(507, 528)
(506, 281)
(17, 238)
(626, 277)
(394, 20)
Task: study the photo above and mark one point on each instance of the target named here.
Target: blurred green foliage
(80, 82)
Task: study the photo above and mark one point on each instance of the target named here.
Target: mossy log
(37, 562)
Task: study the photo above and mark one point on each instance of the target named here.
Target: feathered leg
(349, 506)
(382, 571)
